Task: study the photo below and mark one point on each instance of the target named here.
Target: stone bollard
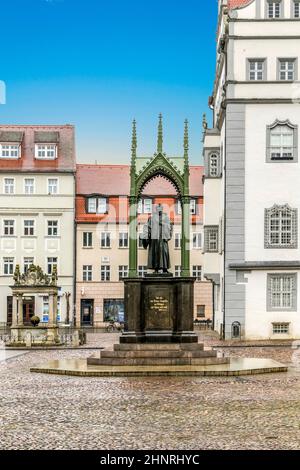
(28, 340)
(75, 339)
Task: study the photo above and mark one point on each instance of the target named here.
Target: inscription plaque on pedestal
(158, 309)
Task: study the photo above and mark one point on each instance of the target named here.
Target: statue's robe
(156, 235)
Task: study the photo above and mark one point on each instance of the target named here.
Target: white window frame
(281, 328)
(196, 269)
(123, 240)
(48, 225)
(105, 273)
(6, 185)
(105, 240)
(50, 187)
(177, 241)
(28, 193)
(282, 292)
(12, 148)
(285, 73)
(142, 270)
(274, 9)
(281, 224)
(145, 206)
(296, 9)
(197, 240)
(87, 273)
(13, 225)
(258, 72)
(123, 272)
(99, 204)
(24, 227)
(10, 265)
(47, 148)
(177, 270)
(89, 237)
(52, 264)
(27, 264)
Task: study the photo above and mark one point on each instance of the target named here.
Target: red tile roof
(114, 180)
(238, 3)
(66, 160)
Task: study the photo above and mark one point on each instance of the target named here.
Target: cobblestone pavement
(55, 412)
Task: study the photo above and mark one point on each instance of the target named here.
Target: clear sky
(97, 64)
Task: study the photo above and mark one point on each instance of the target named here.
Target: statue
(156, 235)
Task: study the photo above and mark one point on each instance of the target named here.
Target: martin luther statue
(156, 235)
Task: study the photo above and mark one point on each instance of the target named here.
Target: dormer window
(97, 205)
(274, 8)
(46, 145)
(11, 151)
(45, 151)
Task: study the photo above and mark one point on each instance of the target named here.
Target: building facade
(37, 213)
(252, 169)
(102, 234)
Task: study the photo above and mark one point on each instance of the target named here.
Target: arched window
(236, 330)
(281, 227)
(213, 165)
(282, 142)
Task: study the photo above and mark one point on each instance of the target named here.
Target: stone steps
(159, 347)
(157, 361)
(140, 354)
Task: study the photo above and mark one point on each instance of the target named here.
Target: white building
(37, 212)
(252, 171)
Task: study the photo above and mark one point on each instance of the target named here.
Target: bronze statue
(156, 235)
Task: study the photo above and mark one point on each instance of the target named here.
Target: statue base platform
(159, 309)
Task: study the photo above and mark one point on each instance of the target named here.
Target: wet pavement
(40, 411)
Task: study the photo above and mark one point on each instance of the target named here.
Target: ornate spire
(133, 144)
(160, 135)
(186, 142)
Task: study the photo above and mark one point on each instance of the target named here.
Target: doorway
(87, 312)
(28, 309)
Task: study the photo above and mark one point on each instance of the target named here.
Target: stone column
(55, 308)
(51, 310)
(15, 311)
(20, 310)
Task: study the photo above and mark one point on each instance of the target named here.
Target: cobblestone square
(41, 411)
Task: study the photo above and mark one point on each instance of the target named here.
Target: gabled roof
(114, 180)
(28, 136)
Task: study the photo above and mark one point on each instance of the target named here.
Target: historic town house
(252, 171)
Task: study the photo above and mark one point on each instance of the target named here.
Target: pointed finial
(133, 141)
(204, 122)
(186, 140)
(160, 135)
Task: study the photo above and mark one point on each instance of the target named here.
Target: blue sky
(97, 64)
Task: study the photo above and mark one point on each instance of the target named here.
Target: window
(193, 207)
(113, 310)
(123, 272)
(52, 228)
(87, 273)
(28, 228)
(213, 165)
(287, 69)
(123, 240)
(105, 273)
(200, 311)
(274, 8)
(281, 328)
(9, 151)
(177, 270)
(29, 185)
(142, 270)
(97, 205)
(51, 263)
(52, 186)
(197, 272)
(236, 330)
(282, 292)
(9, 185)
(9, 227)
(145, 206)
(45, 309)
(105, 240)
(296, 9)
(281, 227)
(8, 266)
(140, 239)
(27, 263)
(282, 142)
(177, 239)
(46, 151)
(197, 241)
(87, 239)
(256, 69)
(211, 239)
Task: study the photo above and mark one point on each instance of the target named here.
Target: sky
(98, 64)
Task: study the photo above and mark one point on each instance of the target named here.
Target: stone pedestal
(159, 309)
(39, 335)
